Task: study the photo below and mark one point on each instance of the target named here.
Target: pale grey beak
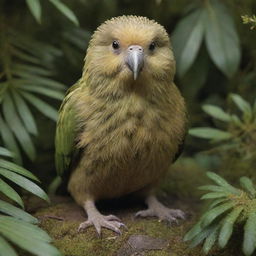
(135, 59)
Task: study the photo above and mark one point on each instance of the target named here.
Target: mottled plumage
(118, 135)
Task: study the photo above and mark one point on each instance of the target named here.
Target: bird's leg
(96, 219)
(157, 209)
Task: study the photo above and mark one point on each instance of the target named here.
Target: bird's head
(132, 49)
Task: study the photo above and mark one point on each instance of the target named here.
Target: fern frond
(230, 207)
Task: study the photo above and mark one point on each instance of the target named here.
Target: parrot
(123, 123)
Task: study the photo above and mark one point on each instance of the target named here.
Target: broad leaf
(6, 249)
(243, 105)
(24, 183)
(35, 8)
(247, 184)
(187, 39)
(210, 133)
(10, 192)
(65, 11)
(221, 38)
(5, 152)
(217, 113)
(201, 236)
(17, 127)
(45, 91)
(213, 188)
(43, 107)
(221, 182)
(9, 141)
(249, 242)
(27, 236)
(212, 214)
(25, 114)
(210, 240)
(16, 212)
(193, 232)
(214, 195)
(228, 225)
(18, 169)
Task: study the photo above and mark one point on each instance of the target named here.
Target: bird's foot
(156, 209)
(98, 221)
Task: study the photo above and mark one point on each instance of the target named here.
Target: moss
(72, 243)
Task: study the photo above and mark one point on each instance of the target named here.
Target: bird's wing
(66, 132)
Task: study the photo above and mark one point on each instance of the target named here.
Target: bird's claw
(163, 213)
(110, 222)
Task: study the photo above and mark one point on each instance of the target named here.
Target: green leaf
(201, 236)
(236, 120)
(6, 249)
(46, 53)
(25, 56)
(27, 236)
(18, 68)
(213, 188)
(9, 141)
(221, 182)
(25, 114)
(214, 195)
(243, 105)
(16, 212)
(210, 240)
(17, 127)
(193, 232)
(32, 80)
(227, 227)
(217, 202)
(43, 107)
(249, 242)
(187, 39)
(210, 133)
(35, 8)
(247, 184)
(18, 169)
(44, 91)
(5, 152)
(212, 214)
(65, 11)
(222, 40)
(24, 183)
(217, 113)
(10, 192)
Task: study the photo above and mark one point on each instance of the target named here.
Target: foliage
(36, 10)
(16, 225)
(230, 207)
(250, 20)
(211, 22)
(25, 76)
(239, 131)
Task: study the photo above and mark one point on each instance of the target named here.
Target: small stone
(136, 244)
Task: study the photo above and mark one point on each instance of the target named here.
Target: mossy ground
(62, 218)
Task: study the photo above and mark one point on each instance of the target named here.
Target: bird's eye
(152, 46)
(115, 45)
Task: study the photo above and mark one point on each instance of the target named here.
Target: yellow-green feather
(65, 132)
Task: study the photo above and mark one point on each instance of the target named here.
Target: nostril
(131, 48)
